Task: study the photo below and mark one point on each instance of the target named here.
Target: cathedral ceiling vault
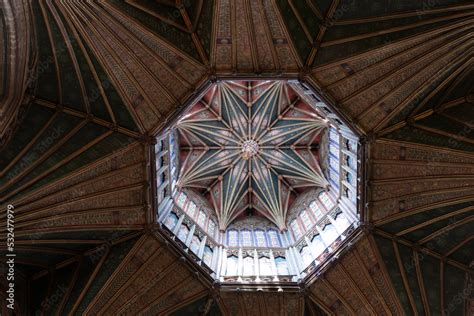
(87, 84)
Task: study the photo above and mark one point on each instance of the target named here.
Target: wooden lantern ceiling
(108, 75)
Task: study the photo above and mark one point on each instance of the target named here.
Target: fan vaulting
(250, 145)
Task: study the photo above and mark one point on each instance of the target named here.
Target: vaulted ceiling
(87, 83)
(251, 145)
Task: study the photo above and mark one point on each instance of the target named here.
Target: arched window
(233, 238)
(195, 244)
(207, 256)
(265, 266)
(306, 255)
(232, 265)
(201, 218)
(183, 232)
(306, 219)
(181, 199)
(211, 228)
(248, 265)
(191, 209)
(282, 266)
(316, 209)
(260, 238)
(273, 238)
(296, 229)
(246, 237)
(317, 245)
(326, 200)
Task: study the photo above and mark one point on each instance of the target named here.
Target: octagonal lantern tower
(258, 181)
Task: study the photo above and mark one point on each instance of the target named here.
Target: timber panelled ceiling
(87, 83)
(251, 145)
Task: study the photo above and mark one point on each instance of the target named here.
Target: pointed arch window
(260, 238)
(233, 238)
(326, 200)
(306, 220)
(191, 209)
(246, 238)
(181, 199)
(296, 229)
(274, 239)
(201, 218)
(211, 228)
(316, 209)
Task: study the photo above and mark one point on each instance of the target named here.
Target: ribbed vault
(109, 75)
(251, 145)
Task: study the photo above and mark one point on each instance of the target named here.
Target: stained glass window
(326, 200)
(282, 266)
(181, 199)
(314, 206)
(260, 238)
(191, 210)
(201, 218)
(296, 229)
(211, 227)
(306, 220)
(246, 238)
(274, 240)
(233, 238)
